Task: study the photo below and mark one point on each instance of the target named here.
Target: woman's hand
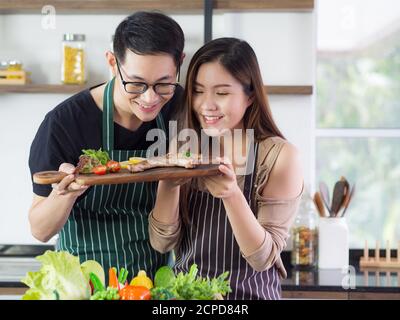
(67, 185)
(225, 185)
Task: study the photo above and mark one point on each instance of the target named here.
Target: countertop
(338, 280)
(16, 260)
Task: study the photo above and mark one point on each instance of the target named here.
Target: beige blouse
(275, 215)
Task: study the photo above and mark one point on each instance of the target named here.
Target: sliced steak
(169, 160)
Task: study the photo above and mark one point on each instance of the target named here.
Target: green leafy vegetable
(92, 158)
(60, 277)
(191, 287)
(160, 293)
(101, 156)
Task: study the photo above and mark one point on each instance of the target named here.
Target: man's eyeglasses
(141, 87)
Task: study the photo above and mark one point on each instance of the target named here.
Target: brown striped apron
(209, 242)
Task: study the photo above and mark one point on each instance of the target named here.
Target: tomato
(113, 166)
(134, 293)
(100, 170)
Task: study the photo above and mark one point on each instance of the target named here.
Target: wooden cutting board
(124, 176)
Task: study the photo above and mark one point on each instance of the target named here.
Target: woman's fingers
(227, 170)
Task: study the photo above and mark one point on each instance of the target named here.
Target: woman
(232, 223)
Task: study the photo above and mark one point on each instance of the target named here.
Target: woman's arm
(164, 221)
(166, 208)
(285, 182)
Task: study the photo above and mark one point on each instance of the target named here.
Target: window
(358, 112)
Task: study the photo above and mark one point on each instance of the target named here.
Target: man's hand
(67, 185)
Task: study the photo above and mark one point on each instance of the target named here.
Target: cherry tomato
(100, 170)
(113, 166)
(134, 293)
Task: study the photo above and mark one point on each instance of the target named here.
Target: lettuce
(60, 277)
(97, 155)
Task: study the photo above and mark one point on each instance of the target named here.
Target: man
(108, 223)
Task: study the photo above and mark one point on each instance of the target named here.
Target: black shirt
(76, 124)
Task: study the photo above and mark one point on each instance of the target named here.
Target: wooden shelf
(303, 90)
(278, 5)
(111, 6)
(70, 89)
(98, 6)
(42, 88)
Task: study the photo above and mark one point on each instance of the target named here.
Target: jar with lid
(73, 59)
(305, 235)
(3, 65)
(14, 65)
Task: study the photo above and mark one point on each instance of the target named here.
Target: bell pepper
(142, 280)
(134, 293)
(96, 282)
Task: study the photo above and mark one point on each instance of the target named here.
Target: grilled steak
(85, 164)
(169, 160)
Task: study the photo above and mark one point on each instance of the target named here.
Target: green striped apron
(110, 224)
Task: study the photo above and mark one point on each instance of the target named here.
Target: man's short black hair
(149, 33)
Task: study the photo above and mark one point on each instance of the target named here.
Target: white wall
(284, 43)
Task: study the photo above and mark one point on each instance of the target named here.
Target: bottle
(73, 59)
(305, 235)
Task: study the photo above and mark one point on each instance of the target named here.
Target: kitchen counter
(339, 284)
(15, 261)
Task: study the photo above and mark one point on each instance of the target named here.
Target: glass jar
(305, 235)
(14, 65)
(73, 59)
(3, 65)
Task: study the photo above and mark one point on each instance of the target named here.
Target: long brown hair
(238, 58)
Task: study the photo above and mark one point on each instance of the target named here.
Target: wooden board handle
(48, 177)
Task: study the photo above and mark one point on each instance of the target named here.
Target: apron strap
(248, 181)
(108, 117)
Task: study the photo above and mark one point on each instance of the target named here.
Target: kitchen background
(346, 53)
